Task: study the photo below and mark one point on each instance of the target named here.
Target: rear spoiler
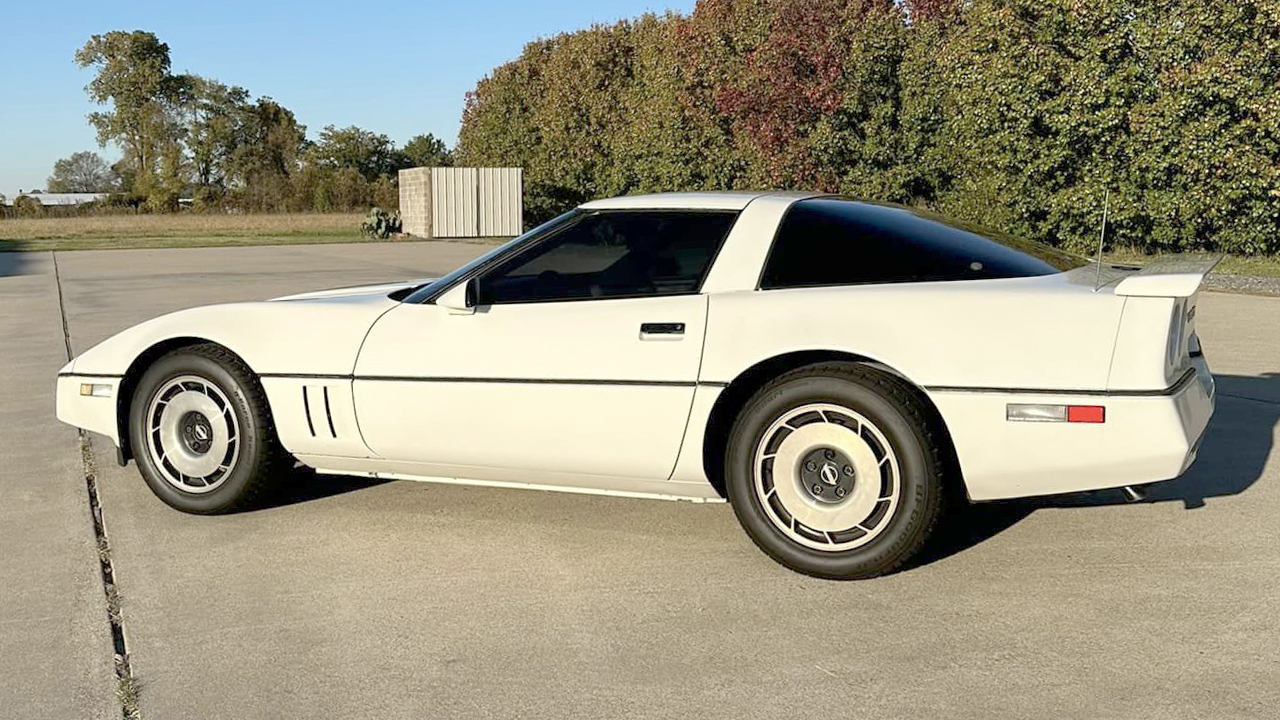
(1167, 278)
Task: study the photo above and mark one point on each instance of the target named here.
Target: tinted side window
(613, 254)
(844, 242)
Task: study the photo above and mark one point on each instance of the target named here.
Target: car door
(580, 358)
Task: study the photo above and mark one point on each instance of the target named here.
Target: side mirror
(461, 298)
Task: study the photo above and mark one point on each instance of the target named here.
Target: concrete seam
(62, 311)
(126, 685)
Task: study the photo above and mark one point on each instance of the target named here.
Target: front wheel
(201, 431)
(834, 471)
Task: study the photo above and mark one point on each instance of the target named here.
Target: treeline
(187, 136)
(1016, 114)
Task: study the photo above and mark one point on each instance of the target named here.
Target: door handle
(661, 331)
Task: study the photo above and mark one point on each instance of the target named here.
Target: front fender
(314, 337)
(305, 337)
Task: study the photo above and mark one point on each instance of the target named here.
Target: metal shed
(451, 202)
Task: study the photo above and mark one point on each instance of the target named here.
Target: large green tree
(216, 118)
(369, 153)
(132, 74)
(270, 146)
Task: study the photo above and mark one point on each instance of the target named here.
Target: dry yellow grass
(182, 225)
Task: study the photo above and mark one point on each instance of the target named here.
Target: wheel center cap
(197, 433)
(830, 474)
(826, 475)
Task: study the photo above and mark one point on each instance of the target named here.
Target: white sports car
(838, 370)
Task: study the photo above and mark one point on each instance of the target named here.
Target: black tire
(901, 417)
(259, 460)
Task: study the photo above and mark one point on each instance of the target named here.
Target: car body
(616, 363)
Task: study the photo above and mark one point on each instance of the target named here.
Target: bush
(27, 206)
(380, 224)
(1019, 114)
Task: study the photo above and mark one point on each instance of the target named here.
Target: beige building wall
(450, 202)
(415, 201)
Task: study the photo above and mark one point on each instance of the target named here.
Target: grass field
(186, 230)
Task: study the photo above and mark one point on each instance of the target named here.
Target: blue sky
(399, 68)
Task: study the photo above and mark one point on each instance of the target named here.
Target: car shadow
(304, 485)
(11, 263)
(1231, 459)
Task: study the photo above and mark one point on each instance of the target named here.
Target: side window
(613, 254)
(843, 242)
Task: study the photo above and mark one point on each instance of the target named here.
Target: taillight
(1036, 412)
(1177, 326)
(1086, 413)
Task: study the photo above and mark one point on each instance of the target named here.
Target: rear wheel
(202, 433)
(834, 471)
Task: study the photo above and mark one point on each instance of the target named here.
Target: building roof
(57, 198)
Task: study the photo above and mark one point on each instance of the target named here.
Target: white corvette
(836, 369)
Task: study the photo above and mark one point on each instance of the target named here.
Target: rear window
(830, 241)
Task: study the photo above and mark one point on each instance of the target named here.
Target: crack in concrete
(126, 684)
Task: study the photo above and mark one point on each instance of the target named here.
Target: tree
(1045, 106)
(132, 74)
(499, 128)
(127, 174)
(216, 116)
(808, 98)
(427, 151)
(83, 172)
(369, 153)
(587, 114)
(268, 152)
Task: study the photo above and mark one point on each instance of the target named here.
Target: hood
(360, 290)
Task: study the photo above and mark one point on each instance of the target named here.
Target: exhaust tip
(1134, 493)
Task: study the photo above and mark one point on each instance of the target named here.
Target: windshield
(427, 292)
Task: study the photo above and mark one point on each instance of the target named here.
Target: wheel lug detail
(840, 492)
(848, 469)
(829, 454)
(811, 466)
(817, 489)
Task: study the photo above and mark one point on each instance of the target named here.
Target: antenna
(1106, 205)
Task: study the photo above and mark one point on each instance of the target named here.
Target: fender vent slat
(328, 412)
(306, 410)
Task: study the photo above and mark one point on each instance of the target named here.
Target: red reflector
(1086, 413)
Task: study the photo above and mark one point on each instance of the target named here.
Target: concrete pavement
(402, 600)
(55, 647)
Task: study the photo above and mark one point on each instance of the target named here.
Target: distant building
(49, 199)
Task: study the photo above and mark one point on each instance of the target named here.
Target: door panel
(566, 387)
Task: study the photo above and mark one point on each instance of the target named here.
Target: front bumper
(1147, 437)
(90, 402)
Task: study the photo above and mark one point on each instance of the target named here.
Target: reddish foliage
(927, 10)
(783, 75)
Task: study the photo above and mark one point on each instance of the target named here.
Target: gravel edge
(1243, 284)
